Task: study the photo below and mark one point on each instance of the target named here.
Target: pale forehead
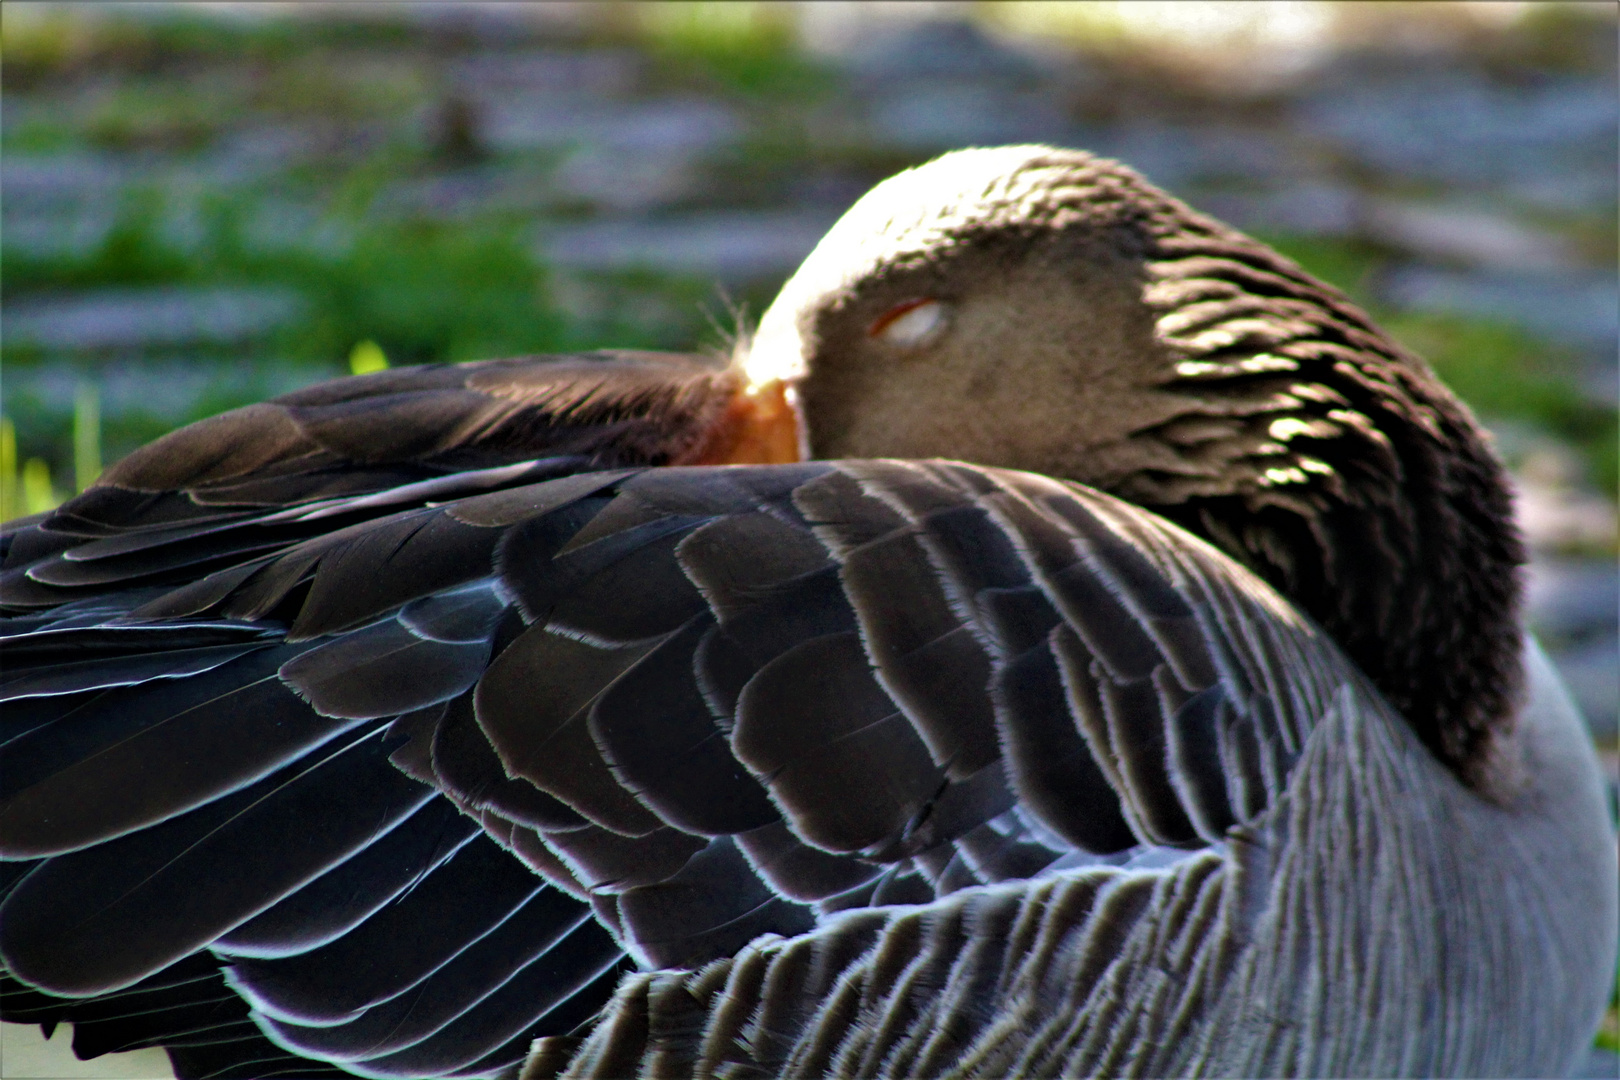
(919, 212)
(931, 205)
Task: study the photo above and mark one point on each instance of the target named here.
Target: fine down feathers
(1068, 639)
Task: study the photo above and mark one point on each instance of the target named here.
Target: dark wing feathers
(609, 862)
(188, 880)
(669, 710)
(814, 720)
(534, 705)
(152, 751)
(928, 658)
(465, 615)
(355, 889)
(639, 560)
(466, 768)
(532, 929)
(384, 670)
(78, 676)
(1055, 774)
(657, 733)
(798, 871)
(397, 947)
(1194, 735)
(713, 906)
(380, 566)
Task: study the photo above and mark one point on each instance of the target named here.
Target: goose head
(1048, 310)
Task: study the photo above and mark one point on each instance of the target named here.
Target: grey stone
(1573, 605)
(1455, 125)
(943, 114)
(1568, 191)
(1559, 515)
(1176, 156)
(1597, 1064)
(171, 388)
(1466, 235)
(36, 181)
(135, 318)
(247, 154)
(596, 72)
(951, 48)
(1312, 208)
(626, 181)
(463, 193)
(733, 247)
(541, 120)
(1578, 308)
(277, 223)
(1572, 597)
(74, 230)
(493, 25)
(1591, 670)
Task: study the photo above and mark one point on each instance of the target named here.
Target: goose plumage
(1067, 639)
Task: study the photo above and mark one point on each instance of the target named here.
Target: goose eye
(910, 323)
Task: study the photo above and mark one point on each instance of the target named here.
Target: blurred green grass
(433, 289)
(422, 289)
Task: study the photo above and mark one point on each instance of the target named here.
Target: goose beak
(762, 425)
(765, 419)
(771, 426)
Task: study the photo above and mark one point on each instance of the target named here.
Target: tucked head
(1048, 310)
(1008, 280)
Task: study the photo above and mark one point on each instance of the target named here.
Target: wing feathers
(472, 976)
(110, 915)
(388, 563)
(353, 890)
(798, 871)
(99, 674)
(467, 769)
(657, 733)
(927, 658)
(545, 738)
(711, 908)
(731, 586)
(152, 751)
(814, 722)
(383, 670)
(594, 578)
(1052, 767)
(606, 861)
(669, 711)
(460, 616)
(397, 947)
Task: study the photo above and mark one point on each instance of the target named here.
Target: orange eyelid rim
(885, 320)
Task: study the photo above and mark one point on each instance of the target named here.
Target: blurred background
(205, 204)
(202, 205)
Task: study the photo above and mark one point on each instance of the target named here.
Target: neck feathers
(1334, 464)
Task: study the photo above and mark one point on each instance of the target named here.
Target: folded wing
(421, 776)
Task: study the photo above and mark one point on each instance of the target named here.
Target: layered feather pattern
(637, 689)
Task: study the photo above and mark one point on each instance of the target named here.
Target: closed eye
(910, 323)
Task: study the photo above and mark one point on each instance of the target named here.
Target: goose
(1065, 639)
